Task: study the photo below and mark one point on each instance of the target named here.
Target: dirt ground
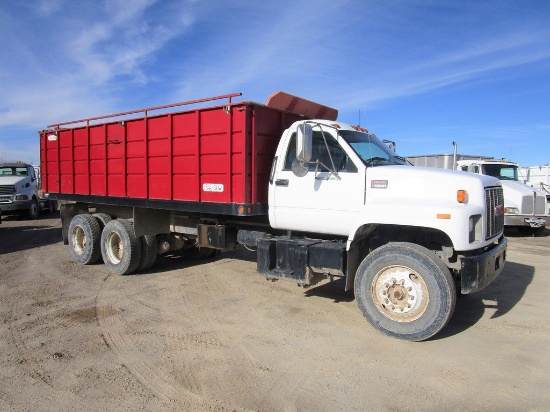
(216, 336)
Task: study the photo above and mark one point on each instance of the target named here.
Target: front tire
(405, 291)
(120, 248)
(84, 238)
(33, 210)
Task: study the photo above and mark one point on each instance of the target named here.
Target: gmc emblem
(499, 210)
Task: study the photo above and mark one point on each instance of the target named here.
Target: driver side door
(327, 198)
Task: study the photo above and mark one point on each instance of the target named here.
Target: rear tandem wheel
(120, 248)
(84, 238)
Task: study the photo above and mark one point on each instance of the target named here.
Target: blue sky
(422, 73)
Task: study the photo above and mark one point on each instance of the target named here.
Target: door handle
(281, 182)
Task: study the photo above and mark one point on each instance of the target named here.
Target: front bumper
(525, 220)
(479, 271)
(18, 205)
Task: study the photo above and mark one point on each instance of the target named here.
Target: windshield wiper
(402, 159)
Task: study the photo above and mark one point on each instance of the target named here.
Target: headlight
(511, 210)
(21, 197)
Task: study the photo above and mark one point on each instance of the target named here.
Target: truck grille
(494, 200)
(6, 193)
(527, 205)
(7, 189)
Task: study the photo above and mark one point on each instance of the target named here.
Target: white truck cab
(348, 179)
(409, 234)
(20, 190)
(525, 207)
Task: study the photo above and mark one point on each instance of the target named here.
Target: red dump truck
(317, 198)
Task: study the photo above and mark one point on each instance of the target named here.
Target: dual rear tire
(120, 248)
(98, 235)
(84, 239)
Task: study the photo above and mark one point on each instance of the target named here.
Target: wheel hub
(79, 237)
(400, 293)
(115, 247)
(400, 298)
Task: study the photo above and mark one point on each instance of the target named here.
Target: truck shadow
(177, 261)
(501, 296)
(20, 238)
(334, 290)
(513, 233)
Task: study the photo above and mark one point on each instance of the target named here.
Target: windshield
(370, 149)
(502, 172)
(13, 171)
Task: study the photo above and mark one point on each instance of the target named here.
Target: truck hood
(519, 195)
(420, 175)
(520, 188)
(11, 180)
(426, 184)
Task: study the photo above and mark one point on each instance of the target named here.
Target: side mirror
(304, 139)
(391, 145)
(299, 168)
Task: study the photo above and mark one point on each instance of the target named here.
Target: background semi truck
(537, 177)
(525, 207)
(20, 191)
(316, 198)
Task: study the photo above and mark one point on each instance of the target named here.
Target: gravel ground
(216, 336)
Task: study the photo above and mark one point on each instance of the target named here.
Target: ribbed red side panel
(219, 154)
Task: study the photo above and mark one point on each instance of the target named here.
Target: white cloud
(48, 7)
(29, 153)
(52, 78)
(470, 62)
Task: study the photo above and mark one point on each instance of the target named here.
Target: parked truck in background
(316, 198)
(20, 191)
(537, 177)
(525, 207)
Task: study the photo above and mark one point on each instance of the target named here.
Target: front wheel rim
(400, 293)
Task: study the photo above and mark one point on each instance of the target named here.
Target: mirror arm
(333, 171)
(317, 164)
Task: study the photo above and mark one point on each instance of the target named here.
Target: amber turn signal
(461, 196)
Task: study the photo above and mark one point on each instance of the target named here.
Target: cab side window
(341, 160)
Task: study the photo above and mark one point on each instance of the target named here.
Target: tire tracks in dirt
(197, 335)
(27, 323)
(128, 353)
(167, 316)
